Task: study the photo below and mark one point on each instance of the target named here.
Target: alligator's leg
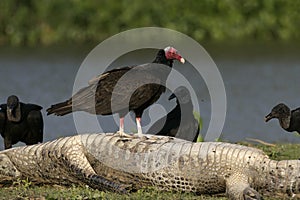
(237, 187)
(80, 167)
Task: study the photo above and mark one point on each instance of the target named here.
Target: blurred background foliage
(46, 22)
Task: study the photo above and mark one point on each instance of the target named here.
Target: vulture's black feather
(20, 122)
(289, 120)
(131, 88)
(180, 122)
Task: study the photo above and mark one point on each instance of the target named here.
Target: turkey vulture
(130, 88)
(180, 122)
(289, 119)
(20, 122)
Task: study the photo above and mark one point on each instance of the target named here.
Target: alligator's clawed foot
(251, 194)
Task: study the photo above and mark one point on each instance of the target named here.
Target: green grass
(24, 189)
(279, 151)
(76, 192)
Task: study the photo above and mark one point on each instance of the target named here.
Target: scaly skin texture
(111, 162)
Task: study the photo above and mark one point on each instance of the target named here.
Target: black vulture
(130, 88)
(289, 119)
(180, 122)
(20, 122)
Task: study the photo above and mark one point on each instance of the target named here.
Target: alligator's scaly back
(108, 161)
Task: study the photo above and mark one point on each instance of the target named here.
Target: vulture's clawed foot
(123, 134)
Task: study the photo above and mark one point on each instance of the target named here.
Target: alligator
(124, 164)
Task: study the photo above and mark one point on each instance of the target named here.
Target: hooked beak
(268, 117)
(178, 57)
(172, 96)
(182, 60)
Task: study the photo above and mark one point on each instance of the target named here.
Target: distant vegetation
(35, 22)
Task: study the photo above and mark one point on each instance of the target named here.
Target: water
(256, 77)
